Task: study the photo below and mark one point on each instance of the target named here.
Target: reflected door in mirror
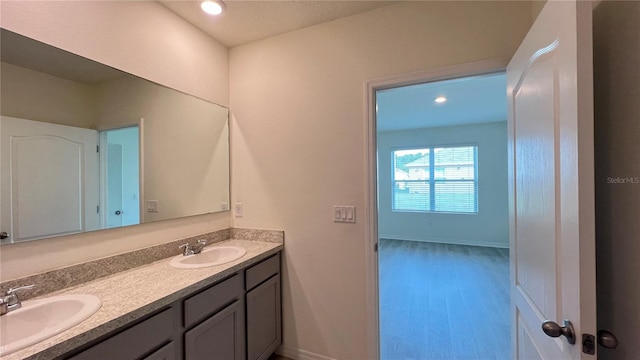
(48, 179)
(120, 183)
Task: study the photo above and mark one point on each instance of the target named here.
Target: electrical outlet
(239, 210)
(152, 206)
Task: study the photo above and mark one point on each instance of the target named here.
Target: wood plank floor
(440, 301)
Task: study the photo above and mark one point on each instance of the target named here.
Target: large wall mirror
(85, 147)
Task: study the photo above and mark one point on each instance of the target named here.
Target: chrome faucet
(192, 250)
(10, 300)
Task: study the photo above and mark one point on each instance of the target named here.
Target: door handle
(607, 340)
(552, 329)
(4, 235)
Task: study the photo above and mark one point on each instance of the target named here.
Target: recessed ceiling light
(212, 7)
(440, 99)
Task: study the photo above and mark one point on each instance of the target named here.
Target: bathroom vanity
(156, 311)
(207, 324)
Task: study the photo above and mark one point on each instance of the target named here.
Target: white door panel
(44, 200)
(527, 349)
(536, 199)
(551, 182)
(48, 179)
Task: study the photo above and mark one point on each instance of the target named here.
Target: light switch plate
(344, 214)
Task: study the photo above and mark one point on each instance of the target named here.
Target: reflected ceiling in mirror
(85, 147)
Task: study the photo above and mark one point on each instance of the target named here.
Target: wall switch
(224, 206)
(344, 214)
(351, 214)
(152, 206)
(239, 211)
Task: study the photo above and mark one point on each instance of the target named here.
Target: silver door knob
(552, 329)
(4, 235)
(607, 339)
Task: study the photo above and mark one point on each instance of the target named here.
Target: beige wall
(142, 38)
(59, 101)
(298, 144)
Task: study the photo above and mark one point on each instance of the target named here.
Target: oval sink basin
(212, 256)
(38, 320)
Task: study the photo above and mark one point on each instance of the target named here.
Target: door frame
(483, 67)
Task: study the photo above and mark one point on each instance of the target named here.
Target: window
(436, 179)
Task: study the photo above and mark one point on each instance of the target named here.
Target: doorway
(551, 184)
(442, 219)
(120, 179)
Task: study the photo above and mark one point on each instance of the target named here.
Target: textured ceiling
(471, 100)
(246, 21)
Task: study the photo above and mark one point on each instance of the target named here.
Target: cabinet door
(220, 337)
(264, 322)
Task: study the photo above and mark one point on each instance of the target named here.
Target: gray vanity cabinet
(236, 318)
(264, 325)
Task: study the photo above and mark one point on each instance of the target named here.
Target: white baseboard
(299, 354)
(448, 241)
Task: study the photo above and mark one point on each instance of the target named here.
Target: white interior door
(550, 95)
(114, 185)
(49, 179)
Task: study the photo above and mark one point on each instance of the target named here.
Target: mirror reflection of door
(48, 172)
(114, 185)
(121, 174)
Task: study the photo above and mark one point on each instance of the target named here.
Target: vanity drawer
(212, 300)
(262, 271)
(167, 352)
(136, 341)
